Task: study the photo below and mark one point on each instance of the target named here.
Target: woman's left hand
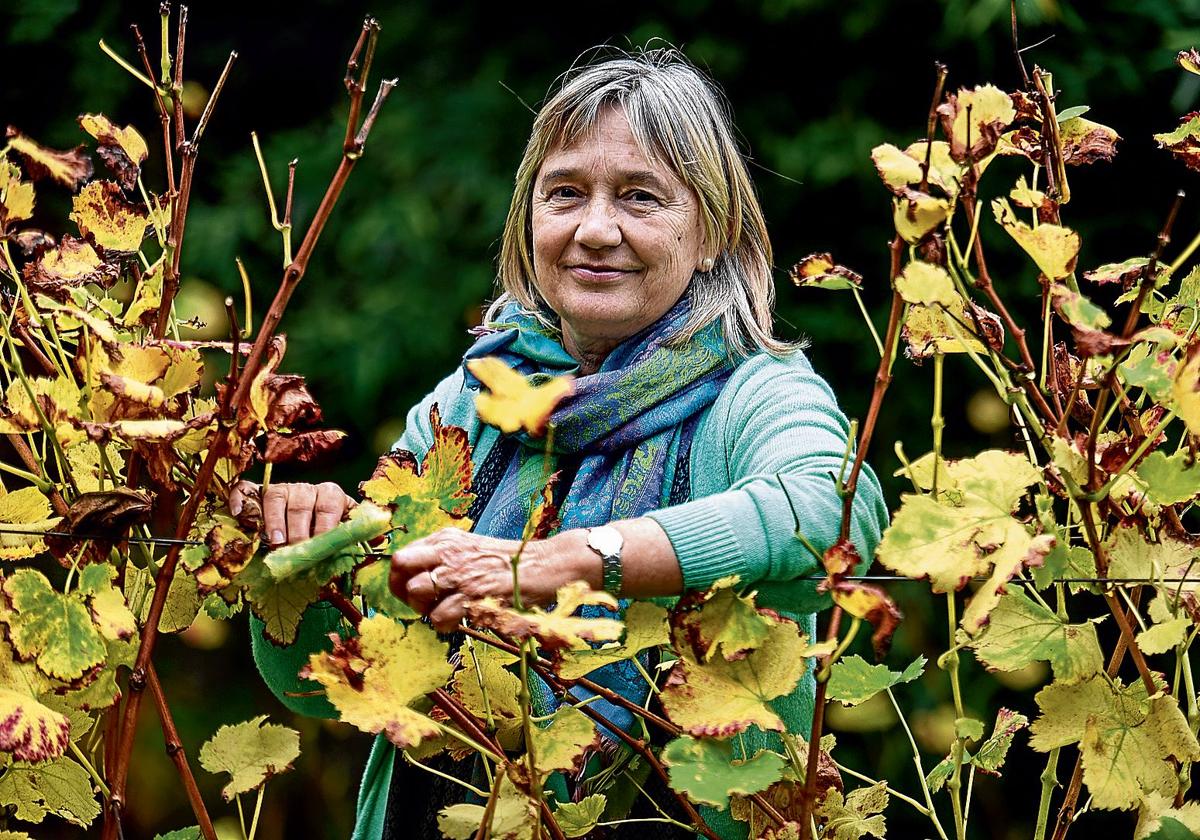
(438, 575)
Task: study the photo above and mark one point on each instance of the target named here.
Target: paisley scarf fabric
(626, 431)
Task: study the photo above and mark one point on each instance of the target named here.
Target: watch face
(606, 540)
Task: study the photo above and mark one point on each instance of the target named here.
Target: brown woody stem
(178, 756)
(291, 278)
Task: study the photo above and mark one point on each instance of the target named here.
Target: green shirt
(764, 461)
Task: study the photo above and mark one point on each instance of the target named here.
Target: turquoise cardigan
(775, 420)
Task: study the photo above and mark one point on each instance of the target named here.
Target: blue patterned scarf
(629, 427)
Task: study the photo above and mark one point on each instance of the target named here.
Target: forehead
(609, 146)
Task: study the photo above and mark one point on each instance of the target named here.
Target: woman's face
(616, 237)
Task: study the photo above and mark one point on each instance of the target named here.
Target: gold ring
(437, 590)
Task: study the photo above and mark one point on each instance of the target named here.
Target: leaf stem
(87, 765)
(916, 753)
(1049, 780)
(867, 317)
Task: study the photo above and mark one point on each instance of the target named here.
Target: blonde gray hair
(679, 117)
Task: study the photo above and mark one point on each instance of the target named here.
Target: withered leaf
(1126, 273)
(70, 265)
(122, 149)
(544, 519)
(976, 116)
(70, 168)
(31, 241)
(1184, 141)
(1189, 60)
(821, 271)
(109, 513)
(302, 447)
(873, 605)
(1084, 141)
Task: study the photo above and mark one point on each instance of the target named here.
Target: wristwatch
(607, 541)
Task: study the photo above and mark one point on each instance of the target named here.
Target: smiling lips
(599, 273)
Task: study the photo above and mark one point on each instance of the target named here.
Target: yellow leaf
(513, 403)
(26, 510)
(70, 168)
(373, 679)
(18, 202)
(926, 284)
(73, 263)
(557, 629)
(645, 626)
(1054, 248)
(30, 731)
(1023, 195)
(1186, 391)
(101, 211)
(915, 214)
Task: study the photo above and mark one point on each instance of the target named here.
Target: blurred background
(408, 258)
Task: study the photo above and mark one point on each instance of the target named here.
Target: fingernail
(276, 537)
(235, 507)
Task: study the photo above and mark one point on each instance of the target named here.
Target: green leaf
(1170, 828)
(1157, 818)
(489, 690)
(55, 628)
(1170, 478)
(993, 751)
(1127, 740)
(940, 774)
(1160, 638)
(721, 698)
(1078, 311)
(1072, 112)
(969, 728)
(281, 603)
(371, 581)
(852, 680)
(856, 816)
(577, 819)
(1144, 369)
(60, 787)
(706, 770)
(180, 608)
(366, 522)
(192, 832)
(251, 752)
(1022, 631)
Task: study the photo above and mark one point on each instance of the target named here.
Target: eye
(642, 197)
(562, 192)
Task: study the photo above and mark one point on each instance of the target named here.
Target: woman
(635, 256)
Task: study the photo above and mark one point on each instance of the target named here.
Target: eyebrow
(633, 176)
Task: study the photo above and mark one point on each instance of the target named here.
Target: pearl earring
(706, 264)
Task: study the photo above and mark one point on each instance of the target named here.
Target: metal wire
(855, 578)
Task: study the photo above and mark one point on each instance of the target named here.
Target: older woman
(635, 256)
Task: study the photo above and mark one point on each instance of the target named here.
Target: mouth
(598, 272)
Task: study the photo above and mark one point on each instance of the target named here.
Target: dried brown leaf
(70, 168)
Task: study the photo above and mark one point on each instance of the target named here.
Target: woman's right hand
(294, 512)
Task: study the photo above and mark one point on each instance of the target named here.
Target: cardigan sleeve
(280, 664)
(772, 448)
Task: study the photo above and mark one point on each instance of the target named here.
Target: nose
(598, 226)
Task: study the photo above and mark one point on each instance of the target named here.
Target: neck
(591, 353)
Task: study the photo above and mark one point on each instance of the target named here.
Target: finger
(301, 500)
(329, 508)
(237, 494)
(410, 562)
(448, 613)
(421, 594)
(275, 513)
